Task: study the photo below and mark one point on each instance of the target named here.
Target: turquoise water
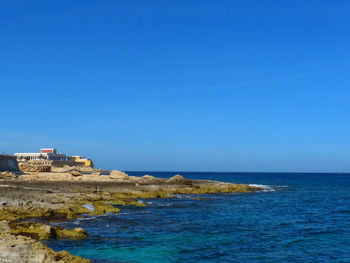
(299, 218)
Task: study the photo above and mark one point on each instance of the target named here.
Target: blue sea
(296, 218)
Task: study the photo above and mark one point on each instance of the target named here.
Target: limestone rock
(40, 231)
(21, 249)
(35, 166)
(37, 231)
(76, 233)
(178, 179)
(75, 173)
(148, 179)
(7, 174)
(115, 174)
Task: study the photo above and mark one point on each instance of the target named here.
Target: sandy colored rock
(115, 174)
(16, 213)
(60, 195)
(147, 180)
(178, 179)
(7, 174)
(21, 249)
(76, 233)
(40, 231)
(75, 173)
(35, 166)
(37, 231)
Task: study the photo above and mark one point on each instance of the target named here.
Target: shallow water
(297, 218)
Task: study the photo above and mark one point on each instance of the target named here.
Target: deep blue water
(303, 218)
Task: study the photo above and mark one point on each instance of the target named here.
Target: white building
(44, 154)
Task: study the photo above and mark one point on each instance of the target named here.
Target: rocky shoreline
(64, 195)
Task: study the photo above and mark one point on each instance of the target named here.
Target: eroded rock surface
(22, 249)
(73, 193)
(40, 231)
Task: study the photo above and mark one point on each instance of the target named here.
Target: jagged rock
(148, 179)
(64, 196)
(7, 174)
(37, 231)
(40, 231)
(16, 249)
(76, 233)
(75, 173)
(104, 207)
(21, 212)
(178, 179)
(35, 166)
(115, 174)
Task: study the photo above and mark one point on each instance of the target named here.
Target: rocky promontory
(71, 193)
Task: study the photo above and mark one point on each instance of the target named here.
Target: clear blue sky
(179, 85)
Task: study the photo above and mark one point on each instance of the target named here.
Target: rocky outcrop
(22, 249)
(75, 173)
(18, 243)
(115, 174)
(21, 212)
(148, 180)
(39, 231)
(8, 174)
(35, 166)
(75, 233)
(67, 196)
(69, 168)
(178, 179)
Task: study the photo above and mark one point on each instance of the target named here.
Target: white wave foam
(86, 218)
(268, 188)
(89, 207)
(184, 196)
(163, 204)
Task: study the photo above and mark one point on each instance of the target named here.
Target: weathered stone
(35, 166)
(64, 196)
(178, 179)
(103, 208)
(76, 233)
(148, 179)
(40, 231)
(7, 174)
(16, 249)
(115, 174)
(37, 231)
(75, 173)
